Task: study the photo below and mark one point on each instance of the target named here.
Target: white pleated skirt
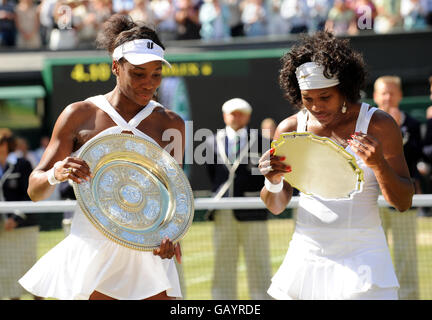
(335, 264)
(86, 261)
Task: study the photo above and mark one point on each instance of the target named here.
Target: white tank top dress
(338, 249)
(86, 260)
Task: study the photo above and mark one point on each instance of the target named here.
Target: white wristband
(274, 188)
(51, 177)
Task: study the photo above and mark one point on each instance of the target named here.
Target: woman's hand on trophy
(72, 168)
(168, 249)
(272, 167)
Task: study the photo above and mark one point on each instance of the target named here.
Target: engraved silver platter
(138, 194)
(320, 167)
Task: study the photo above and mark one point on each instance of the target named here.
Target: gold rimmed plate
(320, 167)
(138, 194)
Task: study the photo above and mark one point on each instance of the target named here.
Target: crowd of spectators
(68, 24)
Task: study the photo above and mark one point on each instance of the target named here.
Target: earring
(344, 108)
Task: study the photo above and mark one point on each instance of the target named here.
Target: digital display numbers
(101, 72)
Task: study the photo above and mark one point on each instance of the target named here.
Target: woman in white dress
(86, 264)
(338, 249)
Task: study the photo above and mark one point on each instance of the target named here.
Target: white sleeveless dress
(338, 249)
(86, 260)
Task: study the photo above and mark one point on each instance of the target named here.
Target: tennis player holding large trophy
(340, 154)
(135, 203)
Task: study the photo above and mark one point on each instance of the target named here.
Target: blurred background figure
(318, 13)
(214, 17)
(295, 14)
(164, 11)
(7, 23)
(254, 18)
(46, 19)
(275, 23)
(388, 17)
(187, 18)
(413, 13)
(27, 22)
(18, 231)
(388, 95)
(143, 12)
(88, 17)
(341, 19)
(425, 167)
(235, 23)
(64, 34)
(43, 143)
(233, 177)
(268, 128)
(22, 151)
(122, 6)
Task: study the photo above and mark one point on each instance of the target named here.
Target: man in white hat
(231, 176)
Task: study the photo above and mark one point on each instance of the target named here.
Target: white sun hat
(236, 104)
(139, 51)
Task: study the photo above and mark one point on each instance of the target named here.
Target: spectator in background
(233, 177)
(187, 18)
(235, 23)
(88, 18)
(318, 13)
(427, 4)
(388, 16)
(164, 11)
(427, 145)
(18, 231)
(143, 12)
(214, 17)
(388, 95)
(413, 13)
(254, 18)
(295, 14)
(21, 150)
(7, 23)
(46, 19)
(341, 19)
(275, 25)
(27, 23)
(122, 6)
(268, 128)
(44, 140)
(64, 34)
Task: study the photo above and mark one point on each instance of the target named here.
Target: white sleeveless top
(86, 260)
(338, 247)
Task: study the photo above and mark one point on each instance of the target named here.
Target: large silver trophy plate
(320, 167)
(138, 194)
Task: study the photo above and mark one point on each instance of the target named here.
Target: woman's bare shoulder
(382, 124)
(287, 125)
(171, 119)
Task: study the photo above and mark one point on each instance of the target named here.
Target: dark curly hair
(120, 28)
(337, 58)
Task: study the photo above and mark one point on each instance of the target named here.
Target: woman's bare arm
(277, 202)
(59, 149)
(385, 156)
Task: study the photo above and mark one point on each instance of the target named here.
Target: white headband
(310, 75)
(139, 51)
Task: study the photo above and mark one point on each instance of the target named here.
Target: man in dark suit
(234, 173)
(18, 231)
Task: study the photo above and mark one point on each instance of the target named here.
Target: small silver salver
(138, 194)
(320, 167)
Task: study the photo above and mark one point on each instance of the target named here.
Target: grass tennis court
(198, 255)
